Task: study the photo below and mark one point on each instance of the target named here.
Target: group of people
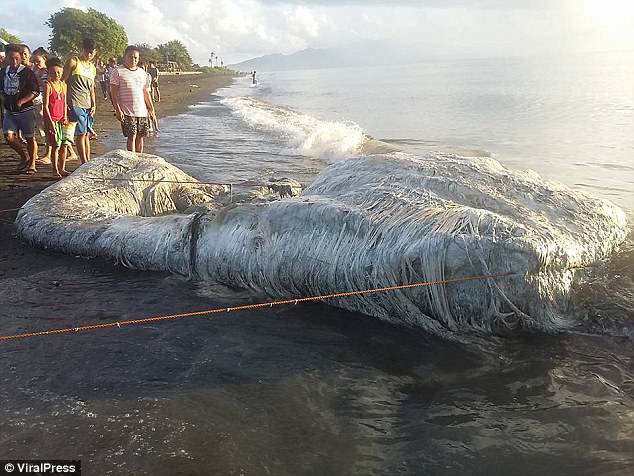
(40, 92)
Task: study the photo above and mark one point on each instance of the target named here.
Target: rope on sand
(244, 307)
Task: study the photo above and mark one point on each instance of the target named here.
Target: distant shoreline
(179, 73)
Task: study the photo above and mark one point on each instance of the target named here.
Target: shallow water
(312, 389)
(570, 119)
(303, 389)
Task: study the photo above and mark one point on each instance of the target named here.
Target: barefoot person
(80, 74)
(56, 117)
(39, 58)
(18, 86)
(130, 91)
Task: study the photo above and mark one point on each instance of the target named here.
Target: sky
(237, 30)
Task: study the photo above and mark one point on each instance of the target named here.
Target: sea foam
(305, 134)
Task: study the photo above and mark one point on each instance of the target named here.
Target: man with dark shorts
(79, 74)
(130, 91)
(18, 87)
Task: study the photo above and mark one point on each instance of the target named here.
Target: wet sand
(17, 259)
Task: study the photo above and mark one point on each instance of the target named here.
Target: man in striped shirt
(130, 91)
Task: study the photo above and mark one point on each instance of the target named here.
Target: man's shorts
(83, 119)
(131, 125)
(15, 122)
(63, 134)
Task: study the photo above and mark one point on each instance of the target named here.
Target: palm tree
(211, 59)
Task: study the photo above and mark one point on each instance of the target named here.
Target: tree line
(70, 25)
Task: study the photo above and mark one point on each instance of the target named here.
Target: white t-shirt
(131, 84)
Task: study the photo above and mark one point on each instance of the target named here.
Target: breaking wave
(305, 135)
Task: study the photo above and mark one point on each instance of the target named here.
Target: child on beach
(41, 72)
(55, 113)
(130, 90)
(25, 55)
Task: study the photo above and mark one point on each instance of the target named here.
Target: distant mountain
(305, 59)
(370, 54)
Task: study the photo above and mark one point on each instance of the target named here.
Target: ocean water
(570, 119)
(312, 389)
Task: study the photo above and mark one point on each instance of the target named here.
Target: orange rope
(94, 327)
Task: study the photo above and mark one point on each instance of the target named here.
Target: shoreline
(17, 258)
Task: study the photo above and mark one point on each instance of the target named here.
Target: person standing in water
(80, 74)
(255, 81)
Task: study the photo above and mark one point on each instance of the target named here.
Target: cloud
(472, 4)
(239, 29)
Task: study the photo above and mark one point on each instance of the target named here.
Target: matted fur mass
(365, 222)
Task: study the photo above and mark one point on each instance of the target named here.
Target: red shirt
(56, 100)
